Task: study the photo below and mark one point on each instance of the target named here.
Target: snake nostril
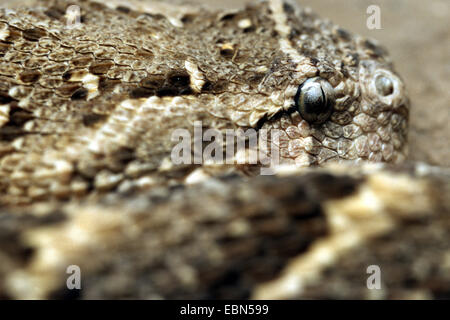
(384, 85)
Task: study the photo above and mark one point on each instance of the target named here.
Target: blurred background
(417, 35)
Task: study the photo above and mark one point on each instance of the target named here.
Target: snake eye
(315, 100)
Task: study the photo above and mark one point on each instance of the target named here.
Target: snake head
(343, 102)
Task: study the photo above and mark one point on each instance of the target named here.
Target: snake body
(87, 115)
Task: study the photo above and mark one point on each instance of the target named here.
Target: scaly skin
(87, 178)
(94, 108)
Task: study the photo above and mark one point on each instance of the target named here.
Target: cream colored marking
(4, 34)
(90, 82)
(126, 119)
(78, 75)
(60, 170)
(98, 142)
(43, 273)
(304, 66)
(173, 12)
(245, 23)
(166, 164)
(262, 69)
(18, 143)
(227, 46)
(4, 114)
(23, 103)
(14, 91)
(377, 207)
(197, 176)
(279, 17)
(197, 77)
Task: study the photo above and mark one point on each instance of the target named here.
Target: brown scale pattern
(86, 117)
(65, 91)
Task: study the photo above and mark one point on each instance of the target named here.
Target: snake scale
(88, 178)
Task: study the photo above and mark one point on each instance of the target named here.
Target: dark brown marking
(14, 34)
(55, 69)
(153, 82)
(146, 54)
(123, 9)
(227, 52)
(18, 116)
(29, 76)
(256, 78)
(353, 59)
(228, 16)
(141, 93)
(101, 67)
(97, 6)
(249, 29)
(4, 47)
(343, 34)
(178, 82)
(107, 85)
(375, 50)
(34, 34)
(67, 75)
(188, 18)
(5, 98)
(179, 79)
(314, 61)
(82, 61)
(68, 89)
(14, 127)
(55, 13)
(287, 8)
(156, 16)
(93, 118)
(167, 92)
(175, 83)
(217, 87)
(80, 94)
(123, 156)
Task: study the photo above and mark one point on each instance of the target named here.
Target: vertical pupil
(313, 100)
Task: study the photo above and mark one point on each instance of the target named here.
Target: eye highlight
(315, 100)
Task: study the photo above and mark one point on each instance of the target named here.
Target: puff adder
(86, 118)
